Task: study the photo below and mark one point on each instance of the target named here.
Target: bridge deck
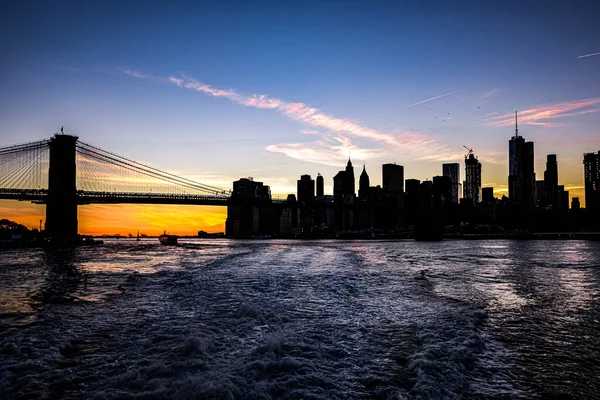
(39, 196)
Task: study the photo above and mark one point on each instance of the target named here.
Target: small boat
(167, 239)
(138, 237)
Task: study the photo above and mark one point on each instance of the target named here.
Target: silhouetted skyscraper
(393, 177)
(249, 212)
(306, 189)
(248, 189)
(350, 182)
(339, 190)
(452, 170)
(320, 185)
(363, 184)
(487, 195)
(550, 182)
(562, 198)
(442, 188)
(412, 186)
(540, 190)
(591, 172)
(472, 188)
(521, 174)
(343, 193)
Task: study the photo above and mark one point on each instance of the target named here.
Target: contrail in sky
(589, 55)
(433, 98)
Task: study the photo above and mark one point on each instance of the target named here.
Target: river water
(302, 319)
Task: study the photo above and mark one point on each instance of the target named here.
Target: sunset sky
(223, 90)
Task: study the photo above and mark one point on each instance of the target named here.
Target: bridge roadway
(39, 196)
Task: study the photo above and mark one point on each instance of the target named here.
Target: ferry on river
(167, 239)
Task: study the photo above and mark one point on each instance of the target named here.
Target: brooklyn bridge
(63, 173)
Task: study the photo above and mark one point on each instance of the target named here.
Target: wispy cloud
(134, 74)
(333, 135)
(490, 93)
(589, 55)
(544, 115)
(332, 148)
(296, 111)
(433, 98)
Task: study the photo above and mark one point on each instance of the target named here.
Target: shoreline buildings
(421, 208)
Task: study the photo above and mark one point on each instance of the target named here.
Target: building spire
(516, 125)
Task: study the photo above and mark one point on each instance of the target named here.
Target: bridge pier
(61, 205)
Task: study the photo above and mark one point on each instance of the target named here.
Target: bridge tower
(61, 206)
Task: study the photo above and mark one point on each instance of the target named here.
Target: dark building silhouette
(562, 198)
(591, 172)
(550, 182)
(540, 189)
(452, 170)
(306, 189)
(363, 184)
(343, 196)
(412, 199)
(250, 209)
(306, 200)
(521, 174)
(343, 182)
(412, 186)
(486, 210)
(320, 186)
(442, 187)
(392, 177)
(575, 205)
(339, 189)
(350, 182)
(249, 189)
(427, 217)
(487, 195)
(289, 221)
(472, 188)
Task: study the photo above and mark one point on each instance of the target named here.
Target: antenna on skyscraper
(516, 125)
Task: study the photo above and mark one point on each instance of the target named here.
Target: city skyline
(299, 101)
(526, 194)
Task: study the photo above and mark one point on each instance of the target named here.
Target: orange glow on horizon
(152, 220)
(110, 219)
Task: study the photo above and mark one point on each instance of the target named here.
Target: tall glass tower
(521, 174)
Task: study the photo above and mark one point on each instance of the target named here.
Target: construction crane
(470, 151)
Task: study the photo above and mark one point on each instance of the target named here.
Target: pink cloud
(331, 152)
(296, 111)
(541, 115)
(334, 143)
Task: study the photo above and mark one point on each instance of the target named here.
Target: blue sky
(138, 78)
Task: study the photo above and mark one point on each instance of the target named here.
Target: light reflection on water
(327, 319)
